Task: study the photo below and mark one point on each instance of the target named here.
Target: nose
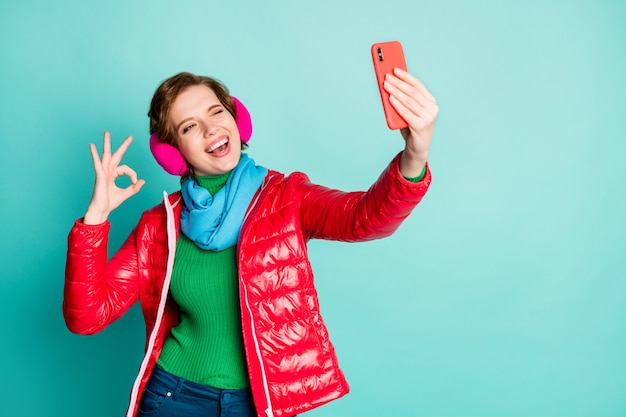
(209, 128)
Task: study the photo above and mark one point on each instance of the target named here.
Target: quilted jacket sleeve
(97, 292)
(360, 216)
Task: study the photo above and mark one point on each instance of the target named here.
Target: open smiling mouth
(218, 147)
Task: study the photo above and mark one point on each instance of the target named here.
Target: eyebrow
(189, 118)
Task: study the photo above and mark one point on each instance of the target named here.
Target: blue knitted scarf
(213, 222)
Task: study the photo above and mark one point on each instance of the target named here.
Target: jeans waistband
(183, 386)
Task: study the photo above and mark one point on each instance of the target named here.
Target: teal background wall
(502, 295)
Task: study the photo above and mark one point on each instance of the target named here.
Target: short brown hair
(167, 92)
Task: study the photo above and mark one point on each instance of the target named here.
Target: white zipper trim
(257, 349)
(268, 411)
(171, 244)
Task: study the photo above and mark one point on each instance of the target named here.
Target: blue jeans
(169, 395)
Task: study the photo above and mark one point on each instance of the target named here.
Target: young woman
(220, 267)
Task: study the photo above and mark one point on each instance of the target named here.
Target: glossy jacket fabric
(291, 362)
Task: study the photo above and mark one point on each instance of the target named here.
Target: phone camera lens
(380, 54)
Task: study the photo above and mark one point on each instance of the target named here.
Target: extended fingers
(116, 157)
(109, 161)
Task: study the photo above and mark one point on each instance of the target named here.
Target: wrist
(93, 217)
(412, 164)
(418, 155)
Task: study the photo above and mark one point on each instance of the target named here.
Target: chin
(231, 164)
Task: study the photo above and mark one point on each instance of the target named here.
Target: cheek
(186, 148)
(235, 131)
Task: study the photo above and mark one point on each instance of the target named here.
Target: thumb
(133, 189)
(137, 186)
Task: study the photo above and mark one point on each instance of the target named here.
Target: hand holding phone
(387, 56)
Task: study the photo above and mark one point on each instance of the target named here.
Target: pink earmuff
(171, 159)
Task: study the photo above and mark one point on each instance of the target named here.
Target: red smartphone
(386, 57)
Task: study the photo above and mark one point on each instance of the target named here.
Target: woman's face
(208, 136)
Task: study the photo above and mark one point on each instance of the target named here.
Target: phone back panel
(387, 56)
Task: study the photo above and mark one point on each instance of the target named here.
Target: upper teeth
(218, 144)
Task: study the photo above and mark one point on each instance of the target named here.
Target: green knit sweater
(207, 345)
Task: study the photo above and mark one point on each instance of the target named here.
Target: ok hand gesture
(107, 196)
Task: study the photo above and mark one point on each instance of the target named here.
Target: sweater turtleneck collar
(212, 183)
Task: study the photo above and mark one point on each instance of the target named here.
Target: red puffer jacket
(291, 361)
